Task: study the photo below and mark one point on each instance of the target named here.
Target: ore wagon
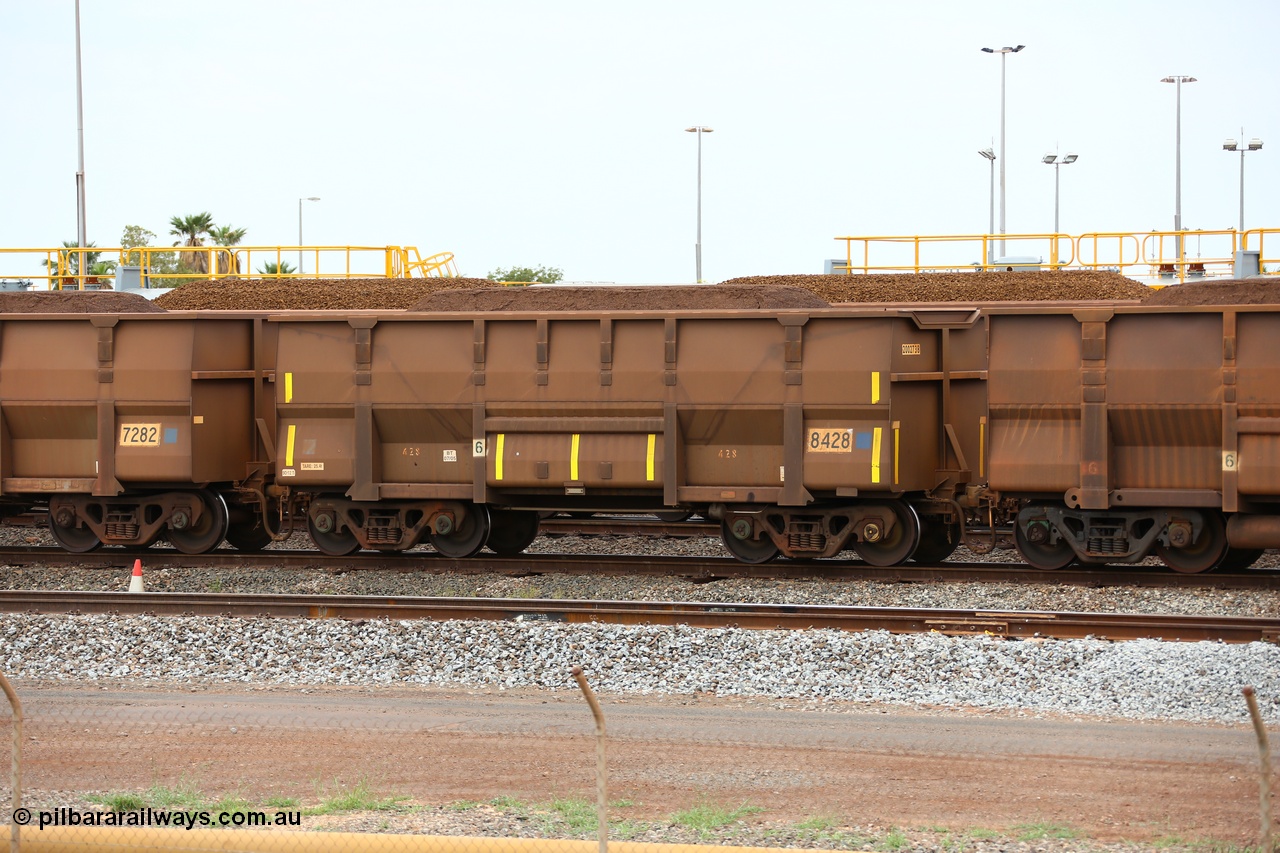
(1120, 432)
(130, 428)
(802, 433)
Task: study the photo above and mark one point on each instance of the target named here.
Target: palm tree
(225, 235)
(272, 268)
(68, 264)
(190, 228)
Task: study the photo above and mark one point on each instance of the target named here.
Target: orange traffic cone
(135, 582)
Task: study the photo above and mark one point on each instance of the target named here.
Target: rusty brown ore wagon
(133, 427)
(1118, 432)
(1101, 433)
(802, 432)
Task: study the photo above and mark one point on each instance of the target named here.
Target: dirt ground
(952, 770)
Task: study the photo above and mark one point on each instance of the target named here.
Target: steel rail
(1030, 624)
(693, 568)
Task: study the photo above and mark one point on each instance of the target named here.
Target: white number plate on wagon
(830, 441)
(140, 435)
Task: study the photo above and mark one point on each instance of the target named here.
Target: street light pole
(1178, 80)
(81, 229)
(1004, 53)
(699, 129)
(300, 201)
(991, 226)
(1255, 144)
(1055, 161)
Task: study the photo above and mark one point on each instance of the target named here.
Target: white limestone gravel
(1137, 679)
(1141, 679)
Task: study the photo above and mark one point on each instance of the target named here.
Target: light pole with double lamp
(1255, 144)
(699, 129)
(991, 225)
(1178, 80)
(1055, 161)
(300, 201)
(1004, 53)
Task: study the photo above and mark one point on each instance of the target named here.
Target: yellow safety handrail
(65, 268)
(1160, 255)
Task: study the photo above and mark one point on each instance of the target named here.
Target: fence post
(1264, 783)
(602, 828)
(15, 830)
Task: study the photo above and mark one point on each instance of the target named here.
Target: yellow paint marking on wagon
(875, 454)
(982, 446)
(288, 447)
(288, 387)
(875, 386)
(497, 462)
(897, 425)
(648, 461)
(573, 457)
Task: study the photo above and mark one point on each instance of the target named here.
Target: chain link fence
(109, 764)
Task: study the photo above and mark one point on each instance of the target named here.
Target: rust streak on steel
(1104, 626)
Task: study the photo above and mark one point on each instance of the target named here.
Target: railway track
(1067, 625)
(693, 568)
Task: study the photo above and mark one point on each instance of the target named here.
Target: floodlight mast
(1254, 144)
(1004, 53)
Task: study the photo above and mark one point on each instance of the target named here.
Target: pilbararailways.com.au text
(157, 818)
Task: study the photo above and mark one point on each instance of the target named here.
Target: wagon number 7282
(140, 435)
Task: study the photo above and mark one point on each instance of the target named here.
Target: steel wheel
(335, 543)
(248, 536)
(1042, 555)
(897, 546)
(77, 540)
(511, 531)
(467, 538)
(1204, 554)
(1239, 559)
(937, 542)
(754, 551)
(207, 534)
(674, 516)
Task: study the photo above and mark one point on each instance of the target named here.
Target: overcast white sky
(527, 133)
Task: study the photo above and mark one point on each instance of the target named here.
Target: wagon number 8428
(140, 435)
(830, 441)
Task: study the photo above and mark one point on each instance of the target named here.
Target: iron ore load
(1092, 432)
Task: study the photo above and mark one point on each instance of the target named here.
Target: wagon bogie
(882, 533)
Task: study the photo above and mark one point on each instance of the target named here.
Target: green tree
(225, 235)
(272, 268)
(68, 263)
(542, 275)
(157, 263)
(191, 230)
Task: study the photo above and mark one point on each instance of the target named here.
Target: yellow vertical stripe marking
(573, 458)
(497, 462)
(875, 454)
(897, 425)
(982, 446)
(648, 461)
(288, 387)
(875, 386)
(288, 447)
